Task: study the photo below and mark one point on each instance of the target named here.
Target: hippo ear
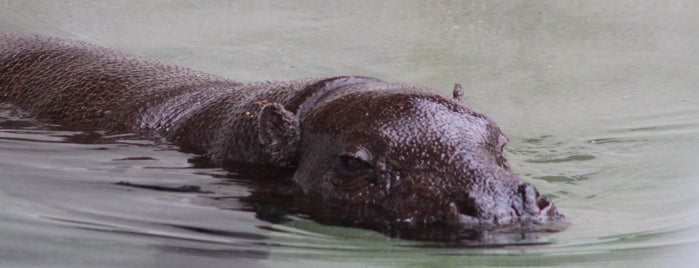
(458, 93)
(279, 135)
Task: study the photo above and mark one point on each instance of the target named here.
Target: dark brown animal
(386, 153)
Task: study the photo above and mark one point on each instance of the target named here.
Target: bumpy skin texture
(87, 87)
(381, 152)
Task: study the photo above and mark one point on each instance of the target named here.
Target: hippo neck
(221, 122)
(308, 97)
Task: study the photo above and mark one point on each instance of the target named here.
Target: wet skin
(375, 154)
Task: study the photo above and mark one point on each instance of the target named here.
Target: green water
(599, 100)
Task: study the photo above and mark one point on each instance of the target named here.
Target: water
(598, 99)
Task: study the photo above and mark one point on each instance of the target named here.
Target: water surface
(598, 98)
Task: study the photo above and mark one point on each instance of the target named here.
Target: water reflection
(599, 100)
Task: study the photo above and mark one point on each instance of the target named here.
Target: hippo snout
(526, 206)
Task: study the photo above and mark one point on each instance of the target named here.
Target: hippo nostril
(547, 208)
(536, 205)
(543, 202)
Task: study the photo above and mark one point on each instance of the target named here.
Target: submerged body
(386, 152)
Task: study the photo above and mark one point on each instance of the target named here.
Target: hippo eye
(352, 166)
(351, 162)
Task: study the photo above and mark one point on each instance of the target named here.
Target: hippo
(369, 152)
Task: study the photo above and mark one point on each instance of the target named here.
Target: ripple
(564, 179)
(559, 159)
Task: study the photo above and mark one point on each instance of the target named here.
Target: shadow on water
(274, 198)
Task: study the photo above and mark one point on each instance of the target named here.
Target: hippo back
(81, 86)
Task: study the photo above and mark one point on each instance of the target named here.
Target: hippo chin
(367, 152)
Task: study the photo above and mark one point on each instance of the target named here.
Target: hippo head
(377, 154)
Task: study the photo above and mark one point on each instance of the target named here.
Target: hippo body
(384, 152)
